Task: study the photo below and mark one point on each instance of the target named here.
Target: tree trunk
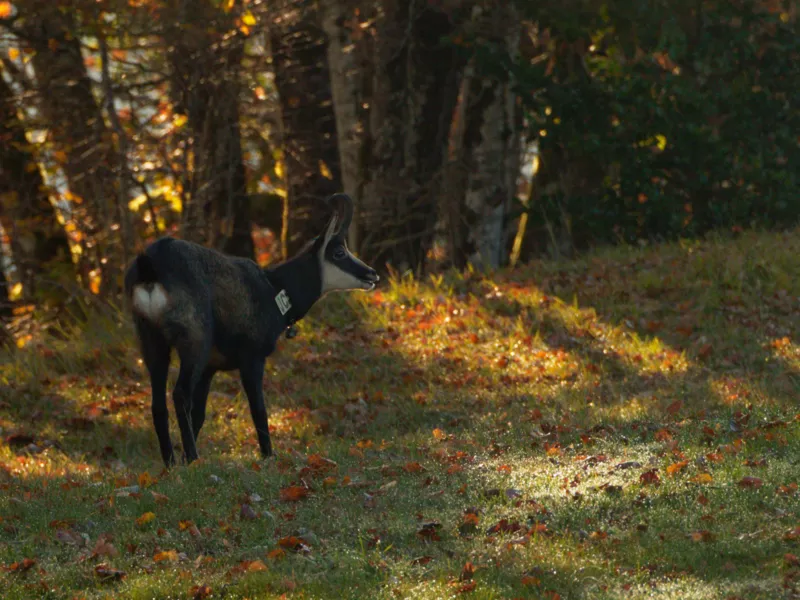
(487, 163)
(311, 155)
(350, 65)
(83, 144)
(415, 88)
(39, 244)
(206, 62)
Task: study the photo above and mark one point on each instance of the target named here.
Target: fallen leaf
(159, 498)
(750, 482)
(413, 467)
(246, 513)
(429, 531)
(104, 548)
(166, 555)
(677, 467)
(106, 573)
(294, 493)
(702, 478)
(200, 592)
(702, 536)
(145, 518)
(675, 407)
(650, 477)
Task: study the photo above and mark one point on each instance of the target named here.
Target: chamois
(222, 313)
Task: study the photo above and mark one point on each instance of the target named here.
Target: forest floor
(625, 425)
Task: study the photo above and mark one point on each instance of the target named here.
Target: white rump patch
(150, 300)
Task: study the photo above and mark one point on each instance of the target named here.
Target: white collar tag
(282, 300)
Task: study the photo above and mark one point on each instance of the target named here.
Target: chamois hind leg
(156, 356)
(199, 400)
(252, 374)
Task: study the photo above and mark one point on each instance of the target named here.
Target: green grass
(622, 426)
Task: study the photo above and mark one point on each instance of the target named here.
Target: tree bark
(205, 59)
(82, 142)
(415, 87)
(311, 154)
(487, 163)
(350, 66)
(39, 244)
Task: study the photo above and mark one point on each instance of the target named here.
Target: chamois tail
(148, 296)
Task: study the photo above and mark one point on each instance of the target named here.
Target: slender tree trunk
(38, 241)
(205, 58)
(82, 142)
(488, 162)
(415, 88)
(350, 64)
(311, 154)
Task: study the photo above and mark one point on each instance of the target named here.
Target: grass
(621, 426)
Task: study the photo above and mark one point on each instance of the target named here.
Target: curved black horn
(343, 203)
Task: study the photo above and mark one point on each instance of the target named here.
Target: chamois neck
(301, 279)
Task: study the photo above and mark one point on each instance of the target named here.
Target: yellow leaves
(5, 10)
(702, 478)
(439, 434)
(145, 480)
(13, 53)
(677, 467)
(179, 120)
(166, 555)
(260, 93)
(324, 170)
(145, 518)
(95, 280)
(15, 293)
(248, 19)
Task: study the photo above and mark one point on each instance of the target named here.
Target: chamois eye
(339, 254)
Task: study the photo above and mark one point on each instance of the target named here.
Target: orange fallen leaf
(276, 554)
(145, 518)
(702, 536)
(145, 480)
(166, 555)
(201, 592)
(439, 434)
(702, 478)
(413, 467)
(677, 467)
(293, 493)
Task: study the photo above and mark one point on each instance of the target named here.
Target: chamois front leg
(252, 374)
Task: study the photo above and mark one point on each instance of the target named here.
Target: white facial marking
(152, 302)
(333, 278)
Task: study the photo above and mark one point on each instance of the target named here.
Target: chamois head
(339, 269)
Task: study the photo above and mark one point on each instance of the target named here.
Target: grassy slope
(621, 426)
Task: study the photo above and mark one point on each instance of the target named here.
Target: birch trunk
(82, 141)
(39, 244)
(493, 147)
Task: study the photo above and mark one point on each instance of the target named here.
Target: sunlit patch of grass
(623, 425)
